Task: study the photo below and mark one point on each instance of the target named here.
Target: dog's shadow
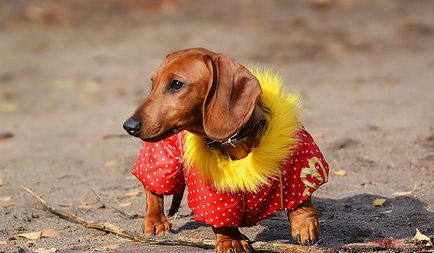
(349, 220)
(190, 225)
(355, 219)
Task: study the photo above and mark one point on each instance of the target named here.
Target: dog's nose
(132, 126)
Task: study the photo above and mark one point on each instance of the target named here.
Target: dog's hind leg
(176, 203)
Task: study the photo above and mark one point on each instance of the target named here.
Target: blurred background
(72, 71)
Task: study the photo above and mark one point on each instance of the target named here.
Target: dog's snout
(132, 126)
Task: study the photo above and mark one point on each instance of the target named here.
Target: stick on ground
(169, 239)
(388, 244)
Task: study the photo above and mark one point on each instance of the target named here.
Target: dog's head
(196, 90)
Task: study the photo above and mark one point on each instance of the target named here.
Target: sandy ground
(71, 73)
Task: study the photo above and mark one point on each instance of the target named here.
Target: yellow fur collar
(262, 164)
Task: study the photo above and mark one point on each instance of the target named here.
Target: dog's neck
(242, 148)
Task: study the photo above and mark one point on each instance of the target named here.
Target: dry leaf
(107, 248)
(64, 84)
(6, 201)
(84, 206)
(7, 95)
(7, 204)
(419, 237)
(388, 211)
(6, 135)
(133, 193)
(113, 227)
(89, 205)
(400, 194)
(5, 198)
(340, 173)
(126, 204)
(336, 49)
(320, 4)
(90, 86)
(8, 107)
(378, 202)
(44, 250)
(49, 232)
(111, 163)
(31, 235)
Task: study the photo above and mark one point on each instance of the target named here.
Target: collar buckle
(238, 136)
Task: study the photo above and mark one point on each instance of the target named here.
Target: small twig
(89, 224)
(98, 199)
(127, 215)
(97, 196)
(113, 136)
(169, 238)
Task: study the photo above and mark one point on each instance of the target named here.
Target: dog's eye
(175, 85)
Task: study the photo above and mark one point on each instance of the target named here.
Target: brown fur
(218, 98)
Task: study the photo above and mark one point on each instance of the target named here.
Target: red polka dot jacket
(160, 168)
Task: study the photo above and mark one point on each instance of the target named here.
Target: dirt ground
(71, 72)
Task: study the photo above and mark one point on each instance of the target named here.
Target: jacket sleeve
(310, 168)
(159, 167)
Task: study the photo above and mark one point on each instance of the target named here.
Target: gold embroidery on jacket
(313, 172)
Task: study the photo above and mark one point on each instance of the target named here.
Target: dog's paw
(230, 240)
(304, 225)
(305, 231)
(155, 225)
(233, 246)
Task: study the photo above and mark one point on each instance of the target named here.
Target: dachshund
(188, 91)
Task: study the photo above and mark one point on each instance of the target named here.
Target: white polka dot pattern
(160, 169)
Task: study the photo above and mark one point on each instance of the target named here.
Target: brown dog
(184, 96)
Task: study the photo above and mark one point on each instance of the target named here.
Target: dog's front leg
(155, 222)
(304, 223)
(230, 239)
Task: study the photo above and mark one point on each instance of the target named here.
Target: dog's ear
(171, 53)
(231, 97)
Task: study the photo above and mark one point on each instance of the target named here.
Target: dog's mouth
(156, 137)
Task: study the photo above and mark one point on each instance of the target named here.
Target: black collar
(240, 135)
